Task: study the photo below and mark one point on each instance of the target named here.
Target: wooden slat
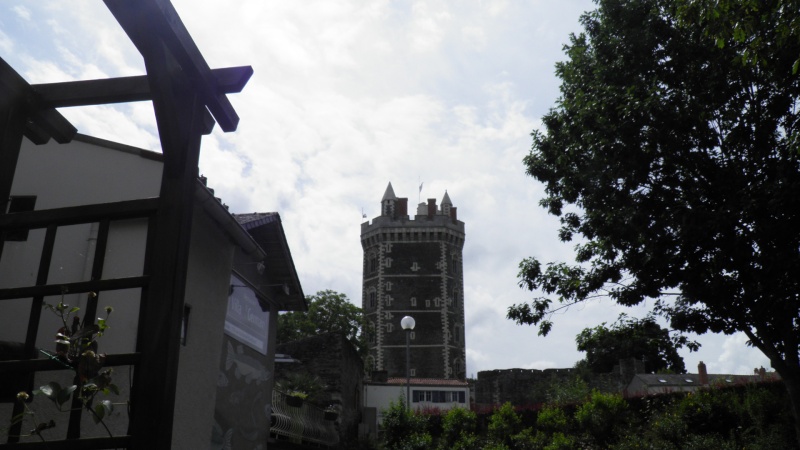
(73, 444)
(98, 262)
(165, 23)
(229, 80)
(47, 364)
(74, 288)
(79, 214)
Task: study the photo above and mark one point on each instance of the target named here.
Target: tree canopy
(642, 339)
(677, 166)
(327, 311)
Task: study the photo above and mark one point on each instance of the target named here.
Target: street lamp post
(408, 323)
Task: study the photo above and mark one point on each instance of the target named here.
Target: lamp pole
(408, 323)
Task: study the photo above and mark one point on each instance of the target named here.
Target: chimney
(402, 208)
(702, 374)
(431, 208)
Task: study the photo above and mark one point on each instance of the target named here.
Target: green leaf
(99, 413)
(102, 409)
(50, 390)
(795, 67)
(74, 309)
(65, 394)
(113, 388)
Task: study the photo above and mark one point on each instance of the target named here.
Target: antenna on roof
(420, 190)
(363, 215)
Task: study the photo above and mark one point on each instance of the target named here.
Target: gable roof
(278, 278)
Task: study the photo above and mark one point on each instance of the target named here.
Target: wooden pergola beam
(43, 123)
(229, 80)
(165, 25)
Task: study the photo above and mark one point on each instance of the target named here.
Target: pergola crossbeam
(166, 25)
(229, 80)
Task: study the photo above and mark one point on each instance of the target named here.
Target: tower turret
(388, 201)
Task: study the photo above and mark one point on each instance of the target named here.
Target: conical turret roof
(389, 194)
(446, 199)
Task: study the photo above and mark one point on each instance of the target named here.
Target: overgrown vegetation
(745, 416)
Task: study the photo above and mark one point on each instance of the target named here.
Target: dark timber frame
(185, 93)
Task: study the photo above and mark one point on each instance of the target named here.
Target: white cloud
(6, 44)
(22, 12)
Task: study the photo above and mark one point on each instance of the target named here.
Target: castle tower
(414, 267)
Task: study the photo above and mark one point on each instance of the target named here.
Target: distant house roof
(691, 379)
(432, 382)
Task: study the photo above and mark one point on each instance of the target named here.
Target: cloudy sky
(348, 96)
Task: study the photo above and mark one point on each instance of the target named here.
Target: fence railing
(302, 424)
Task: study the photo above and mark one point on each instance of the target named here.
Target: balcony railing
(304, 424)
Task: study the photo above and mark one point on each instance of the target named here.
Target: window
(458, 367)
(413, 301)
(412, 335)
(412, 372)
(373, 263)
(388, 285)
(17, 204)
(373, 296)
(438, 396)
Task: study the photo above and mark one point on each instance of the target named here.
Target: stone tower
(414, 267)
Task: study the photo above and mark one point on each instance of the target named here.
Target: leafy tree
(678, 167)
(755, 28)
(630, 338)
(327, 311)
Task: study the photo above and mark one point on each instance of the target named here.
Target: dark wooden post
(182, 119)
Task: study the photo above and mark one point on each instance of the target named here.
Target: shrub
(404, 430)
(600, 415)
(458, 425)
(503, 424)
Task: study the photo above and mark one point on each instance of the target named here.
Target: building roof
(427, 382)
(250, 221)
(276, 273)
(389, 194)
(691, 379)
